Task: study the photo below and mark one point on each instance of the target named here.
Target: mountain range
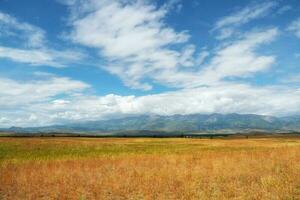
(219, 123)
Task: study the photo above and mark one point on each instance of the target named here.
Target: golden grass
(83, 168)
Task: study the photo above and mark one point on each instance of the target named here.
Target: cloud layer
(134, 42)
(61, 100)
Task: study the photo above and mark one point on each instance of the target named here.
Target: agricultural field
(149, 168)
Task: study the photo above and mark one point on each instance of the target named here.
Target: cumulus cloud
(223, 98)
(19, 99)
(19, 93)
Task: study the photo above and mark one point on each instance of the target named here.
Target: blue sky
(73, 60)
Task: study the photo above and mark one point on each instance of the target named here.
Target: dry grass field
(94, 168)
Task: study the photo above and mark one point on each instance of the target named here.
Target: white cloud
(39, 57)
(225, 33)
(19, 99)
(293, 79)
(140, 48)
(227, 25)
(222, 98)
(235, 59)
(132, 37)
(239, 58)
(19, 93)
(245, 15)
(202, 56)
(29, 45)
(33, 35)
(295, 27)
(174, 5)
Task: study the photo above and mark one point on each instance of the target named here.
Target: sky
(65, 61)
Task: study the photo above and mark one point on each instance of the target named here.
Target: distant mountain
(176, 123)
